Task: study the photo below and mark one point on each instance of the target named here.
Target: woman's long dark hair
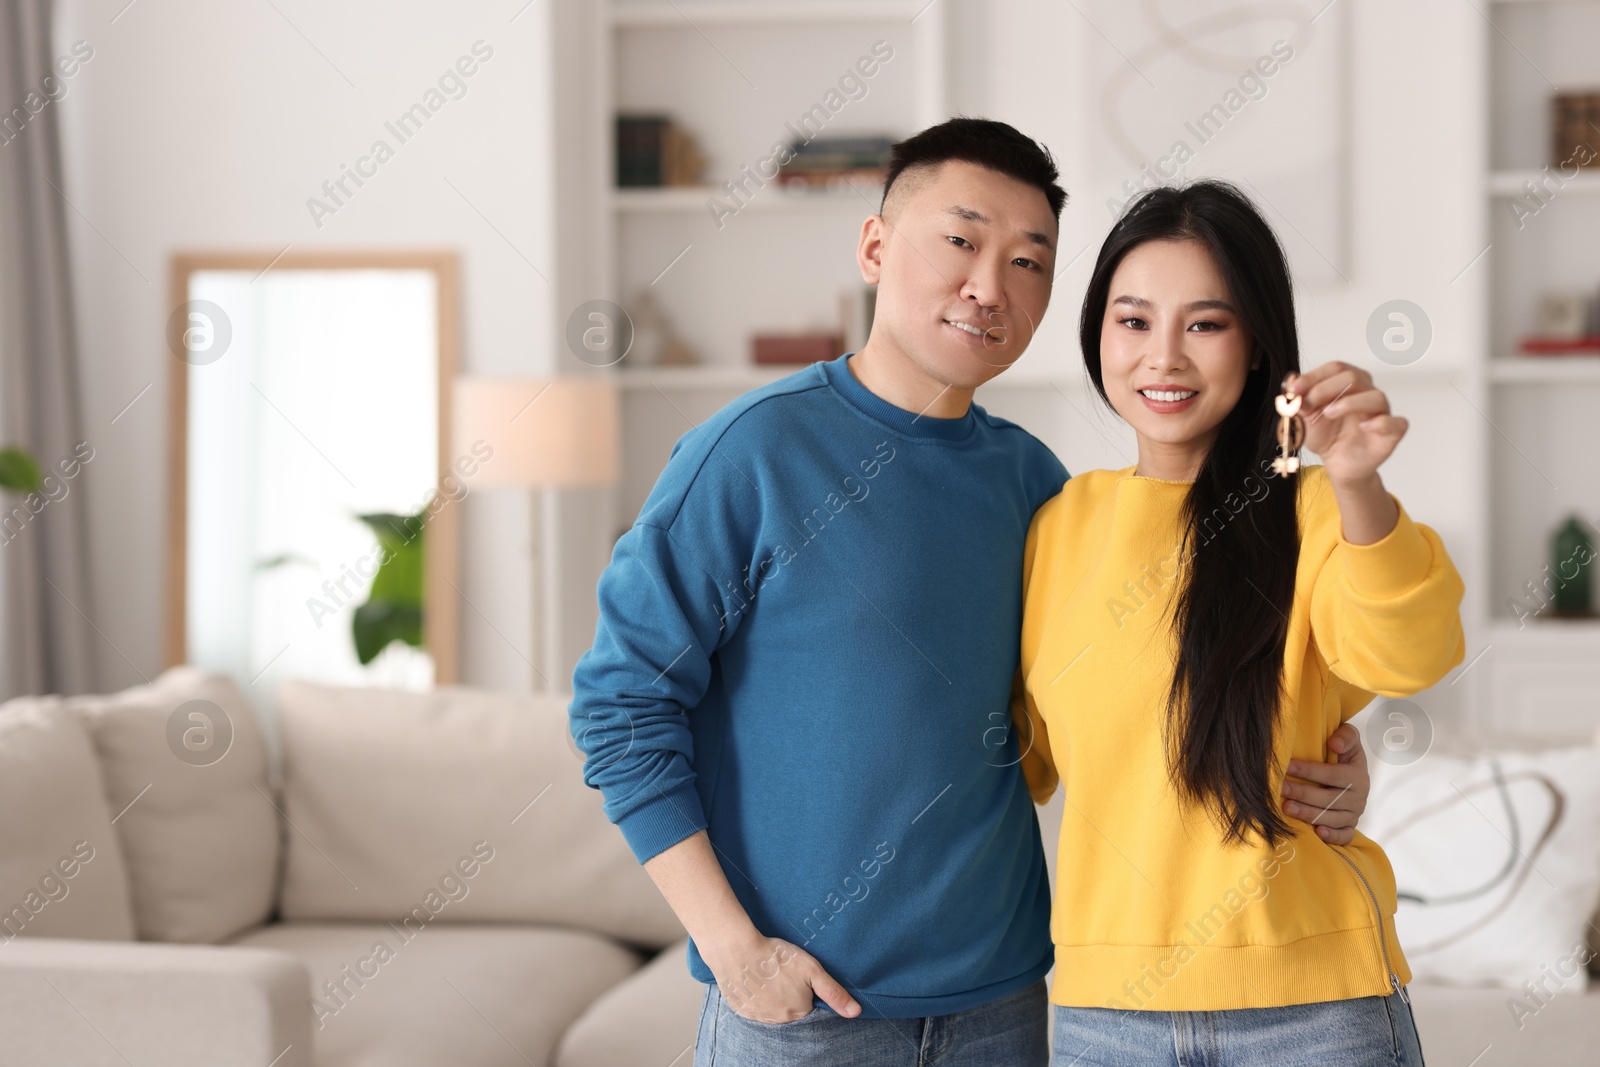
(1231, 610)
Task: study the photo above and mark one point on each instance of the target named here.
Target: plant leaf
(18, 471)
(393, 611)
(378, 622)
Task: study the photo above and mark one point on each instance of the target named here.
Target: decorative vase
(1571, 553)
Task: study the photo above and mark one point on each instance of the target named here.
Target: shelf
(1545, 631)
(739, 378)
(678, 199)
(763, 12)
(1552, 370)
(1427, 372)
(1510, 182)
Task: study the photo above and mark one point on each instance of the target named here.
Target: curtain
(47, 636)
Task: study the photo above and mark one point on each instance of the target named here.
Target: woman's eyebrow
(1198, 305)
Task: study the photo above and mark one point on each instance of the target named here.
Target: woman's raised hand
(1347, 420)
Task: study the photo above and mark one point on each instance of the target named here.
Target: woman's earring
(1291, 433)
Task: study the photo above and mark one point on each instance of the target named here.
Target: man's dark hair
(987, 143)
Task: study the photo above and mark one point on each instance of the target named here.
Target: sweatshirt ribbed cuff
(665, 819)
(1392, 567)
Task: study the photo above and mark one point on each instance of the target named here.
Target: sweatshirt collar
(898, 419)
(1127, 474)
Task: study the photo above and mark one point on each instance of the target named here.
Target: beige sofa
(428, 881)
(164, 899)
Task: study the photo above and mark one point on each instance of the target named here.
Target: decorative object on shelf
(654, 151)
(857, 304)
(795, 347)
(655, 342)
(1575, 130)
(1564, 314)
(1291, 433)
(1571, 553)
(833, 162)
(678, 354)
(1566, 326)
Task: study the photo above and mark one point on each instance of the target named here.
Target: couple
(861, 626)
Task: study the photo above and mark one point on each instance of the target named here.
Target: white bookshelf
(738, 75)
(1538, 429)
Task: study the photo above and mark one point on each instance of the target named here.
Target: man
(796, 705)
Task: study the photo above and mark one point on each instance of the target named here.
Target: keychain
(1291, 432)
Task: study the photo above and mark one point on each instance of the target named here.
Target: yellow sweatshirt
(1152, 911)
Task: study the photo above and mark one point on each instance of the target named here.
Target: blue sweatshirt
(806, 647)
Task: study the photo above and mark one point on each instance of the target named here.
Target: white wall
(201, 125)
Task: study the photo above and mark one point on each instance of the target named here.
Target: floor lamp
(540, 435)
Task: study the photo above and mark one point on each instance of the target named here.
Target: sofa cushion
(1456, 1025)
(465, 803)
(185, 757)
(61, 870)
(1497, 861)
(147, 1004)
(463, 994)
(651, 1017)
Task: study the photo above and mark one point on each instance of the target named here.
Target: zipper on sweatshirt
(1383, 942)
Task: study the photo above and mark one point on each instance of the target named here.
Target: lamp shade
(556, 433)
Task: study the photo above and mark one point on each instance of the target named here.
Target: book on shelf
(830, 162)
(838, 153)
(654, 151)
(1575, 130)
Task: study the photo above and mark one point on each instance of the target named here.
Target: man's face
(963, 259)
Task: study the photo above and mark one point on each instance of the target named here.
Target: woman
(1194, 622)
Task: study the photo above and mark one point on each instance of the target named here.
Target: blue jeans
(1363, 1032)
(1008, 1032)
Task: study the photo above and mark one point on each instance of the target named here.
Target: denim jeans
(1363, 1032)
(1009, 1032)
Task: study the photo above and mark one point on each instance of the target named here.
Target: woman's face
(1174, 353)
